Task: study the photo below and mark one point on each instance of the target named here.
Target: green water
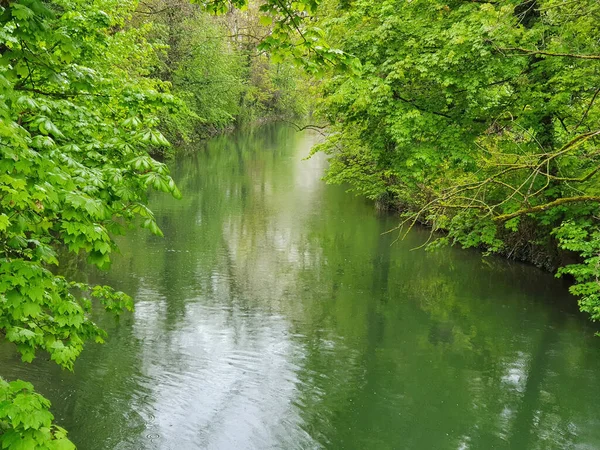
(274, 314)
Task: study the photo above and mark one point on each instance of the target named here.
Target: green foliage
(197, 60)
(78, 115)
(26, 422)
(209, 74)
(218, 68)
(479, 118)
(292, 36)
(583, 238)
(273, 90)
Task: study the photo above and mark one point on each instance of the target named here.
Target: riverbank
(533, 244)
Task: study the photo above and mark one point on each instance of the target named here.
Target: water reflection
(225, 379)
(275, 314)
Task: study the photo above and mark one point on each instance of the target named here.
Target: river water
(276, 314)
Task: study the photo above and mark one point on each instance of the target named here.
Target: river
(276, 313)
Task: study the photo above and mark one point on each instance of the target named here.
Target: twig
(588, 108)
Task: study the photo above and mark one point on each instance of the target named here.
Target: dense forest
(477, 118)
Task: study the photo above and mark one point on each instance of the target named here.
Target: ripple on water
(222, 373)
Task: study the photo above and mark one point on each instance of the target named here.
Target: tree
(77, 117)
(479, 118)
(217, 66)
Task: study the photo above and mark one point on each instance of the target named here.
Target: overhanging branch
(547, 206)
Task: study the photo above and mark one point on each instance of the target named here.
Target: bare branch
(317, 128)
(588, 108)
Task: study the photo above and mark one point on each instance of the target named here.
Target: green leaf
(265, 20)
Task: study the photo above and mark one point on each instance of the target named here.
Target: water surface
(275, 314)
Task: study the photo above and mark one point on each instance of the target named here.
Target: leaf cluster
(478, 118)
(78, 118)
